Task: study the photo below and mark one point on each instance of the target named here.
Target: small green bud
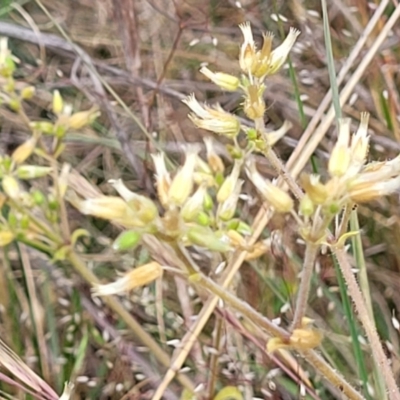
(306, 206)
(43, 126)
(243, 228)
(251, 134)
(60, 130)
(38, 197)
(53, 203)
(203, 219)
(127, 240)
(24, 222)
(208, 203)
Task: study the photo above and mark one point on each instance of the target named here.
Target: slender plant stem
(284, 173)
(139, 332)
(331, 375)
(305, 284)
(278, 165)
(244, 308)
(369, 326)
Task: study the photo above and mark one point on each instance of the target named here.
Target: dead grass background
(149, 52)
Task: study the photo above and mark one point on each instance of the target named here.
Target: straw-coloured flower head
(280, 54)
(139, 276)
(82, 118)
(214, 160)
(227, 209)
(11, 187)
(213, 119)
(163, 179)
(247, 57)
(264, 62)
(23, 151)
(316, 191)
(340, 158)
(275, 196)
(359, 146)
(142, 207)
(195, 204)
(228, 186)
(58, 103)
(360, 192)
(182, 184)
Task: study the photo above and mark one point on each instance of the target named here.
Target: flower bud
(247, 57)
(359, 146)
(11, 187)
(366, 191)
(240, 226)
(23, 151)
(6, 237)
(27, 92)
(205, 237)
(58, 103)
(306, 207)
(127, 240)
(316, 191)
(275, 196)
(139, 276)
(82, 118)
(279, 55)
(38, 197)
(213, 119)
(32, 171)
(43, 127)
(7, 65)
(224, 81)
(340, 158)
(182, 185)
(163, 179)
(15, 104)
(228, 186)
(227, 209)
(194, 205)
(203, 219)
(132, 214)
(214, 160)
